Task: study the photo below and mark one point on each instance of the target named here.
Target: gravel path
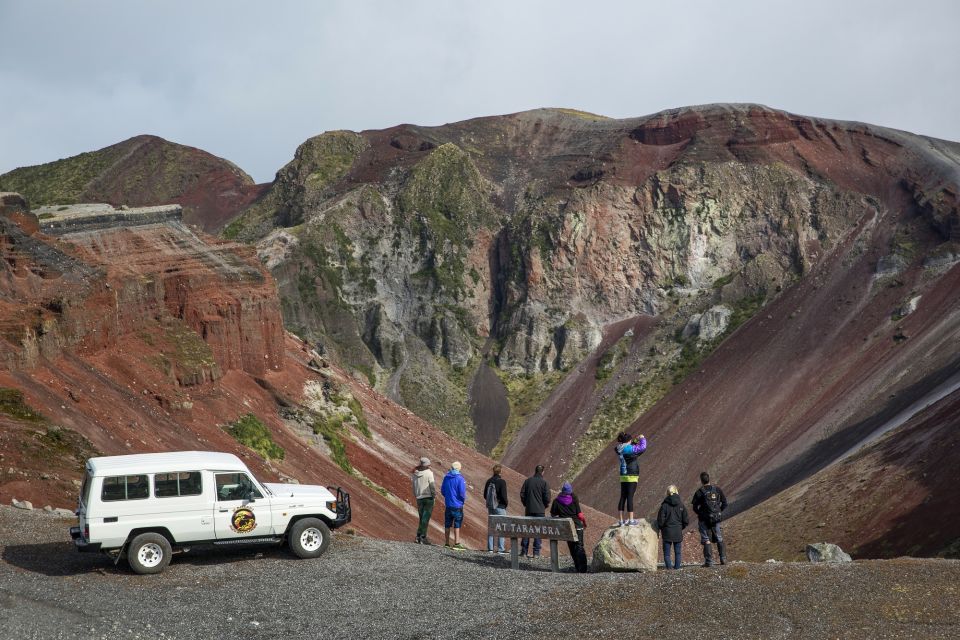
(364, 588)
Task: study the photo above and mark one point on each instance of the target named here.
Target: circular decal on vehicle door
(243, 520)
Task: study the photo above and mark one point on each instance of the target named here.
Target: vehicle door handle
(224, 510)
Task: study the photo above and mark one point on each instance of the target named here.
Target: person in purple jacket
(454, 492)
(628, 449)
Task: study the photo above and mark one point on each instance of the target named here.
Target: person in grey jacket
(535, 497)
(425, 493)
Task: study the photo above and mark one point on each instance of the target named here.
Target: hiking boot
(458, 547)
(419, 540)
(502, 551)
(424, 540)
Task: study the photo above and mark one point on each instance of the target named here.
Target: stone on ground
(627, 548)
(826, 552)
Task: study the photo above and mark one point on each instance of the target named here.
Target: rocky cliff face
(141, 171)
(410, 252)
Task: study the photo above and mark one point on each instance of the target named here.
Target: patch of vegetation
(723, 281)
(694, 351)
(442, 201)
(60, 182)
(183, 353)
(330, 427)
(368, 373)
(13, 404)
(525, 394)
(254, 222)
(57, 446)
(432, 389)
(905, 244)
(249, 431)
(612, 358)
(45, 216)
(586, 115)
(361, 420)
(324, 159)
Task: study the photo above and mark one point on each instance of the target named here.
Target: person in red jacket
(566, 505)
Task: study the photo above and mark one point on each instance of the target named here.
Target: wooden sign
(516, 527)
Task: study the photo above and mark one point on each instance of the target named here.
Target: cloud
(250, 81)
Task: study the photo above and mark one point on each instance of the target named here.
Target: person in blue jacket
(454, 492)
(628, 449)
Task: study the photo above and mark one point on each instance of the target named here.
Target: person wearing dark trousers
(672, 520)
(566, 505)
(495, 495)
(535, 496)
(709, 503)
(628, 449)
(425, 493)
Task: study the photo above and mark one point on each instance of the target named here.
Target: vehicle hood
(305, 491)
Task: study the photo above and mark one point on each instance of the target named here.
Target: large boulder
(627, 548)
(826, 552)
(714, 322)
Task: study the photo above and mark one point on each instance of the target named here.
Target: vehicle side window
(125, 488)
(184, 483)
(235, 486)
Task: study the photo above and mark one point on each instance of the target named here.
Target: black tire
(309, 538)
(149, 553)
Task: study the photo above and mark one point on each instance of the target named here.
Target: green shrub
(330, 428)
(249, 431)
(13, 404)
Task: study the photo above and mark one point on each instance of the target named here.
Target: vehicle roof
(164, 462)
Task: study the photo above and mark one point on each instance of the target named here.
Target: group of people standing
(708, 503)
(534, 496)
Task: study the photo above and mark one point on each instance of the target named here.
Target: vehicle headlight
(332, 506)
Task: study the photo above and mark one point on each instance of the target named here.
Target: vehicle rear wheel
(309, 538)
(149, 553)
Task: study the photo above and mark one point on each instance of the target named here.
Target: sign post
(516, 527)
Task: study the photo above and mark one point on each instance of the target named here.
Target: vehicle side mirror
(252, 496)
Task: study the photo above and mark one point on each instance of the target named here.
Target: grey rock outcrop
(627, 548)
(708, 325)
(891, 265)
(826, 552)
(714, 322)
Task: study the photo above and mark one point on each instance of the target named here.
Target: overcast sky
(249, 81)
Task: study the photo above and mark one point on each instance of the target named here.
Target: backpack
(711, 504)
(491, 495)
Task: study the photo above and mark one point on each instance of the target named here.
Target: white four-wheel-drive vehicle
(145, 506)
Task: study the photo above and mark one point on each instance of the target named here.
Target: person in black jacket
(709, 503)
(495, 495)
(535, 496)
(672, 520)
(566, 505)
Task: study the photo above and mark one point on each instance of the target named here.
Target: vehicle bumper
(344, 512)
(81, 543)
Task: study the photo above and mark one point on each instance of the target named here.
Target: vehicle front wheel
(149, 553)
(309, 538)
